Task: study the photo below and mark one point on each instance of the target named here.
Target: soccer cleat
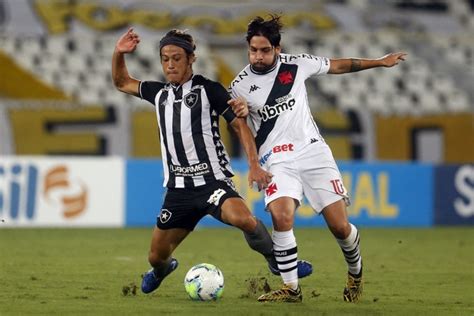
(150, 282)
(285, 294)
(305, 268)
(353, 289)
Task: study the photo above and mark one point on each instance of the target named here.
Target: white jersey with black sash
(280, 117)
(188, 116)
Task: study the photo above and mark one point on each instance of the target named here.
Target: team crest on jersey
(272, 188)
(285, 77)
(191, 99)
(165, 215)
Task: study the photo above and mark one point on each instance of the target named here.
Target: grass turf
(94, 271)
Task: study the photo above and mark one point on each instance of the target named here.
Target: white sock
(351, 251)
(286, 255)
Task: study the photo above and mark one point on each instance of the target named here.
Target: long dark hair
(270, 29)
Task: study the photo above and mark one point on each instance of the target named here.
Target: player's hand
(260, 177)
(128, 42)
(239, 106)
(392, 59)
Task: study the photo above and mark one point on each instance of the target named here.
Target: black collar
(266, 71)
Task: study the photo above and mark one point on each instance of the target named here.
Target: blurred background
(76, 152)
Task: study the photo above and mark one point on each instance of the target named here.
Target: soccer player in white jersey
(291, 148)
(196, 166)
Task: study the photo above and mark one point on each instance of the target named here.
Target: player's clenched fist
(239, 106)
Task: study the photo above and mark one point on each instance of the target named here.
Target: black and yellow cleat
(353, 289)
(285, 294)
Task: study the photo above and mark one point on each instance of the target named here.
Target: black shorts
(184, 208)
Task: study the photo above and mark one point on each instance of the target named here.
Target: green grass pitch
(93, 272)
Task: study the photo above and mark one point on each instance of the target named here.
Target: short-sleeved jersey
(279, 114)
(188, 116)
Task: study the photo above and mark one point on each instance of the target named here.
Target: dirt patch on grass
(129, 289)
(255, 287)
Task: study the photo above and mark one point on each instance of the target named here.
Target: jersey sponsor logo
(272, 188)
(276, 149)
(190, 171)
(190, 99)
(338, 186)
(165, 215)
(216, 197)
(285, 77)
(288, 58)
(268, 112)
(253, 88)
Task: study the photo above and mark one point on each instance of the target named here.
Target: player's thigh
(236, 213)
(226, 205)
(165, 241)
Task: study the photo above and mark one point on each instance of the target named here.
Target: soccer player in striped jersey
(196, 166)
(292, 149)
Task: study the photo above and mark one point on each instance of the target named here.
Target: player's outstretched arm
(126, 44)
(256, 173)
(345, 65)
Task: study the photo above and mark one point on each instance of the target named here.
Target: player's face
(262, 54)
(176, 64)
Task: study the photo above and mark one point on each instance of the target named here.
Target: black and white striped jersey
(188, 116)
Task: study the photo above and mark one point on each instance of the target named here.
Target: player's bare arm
(126, 44)
(345, 65)
(239, 106)
(256, 173)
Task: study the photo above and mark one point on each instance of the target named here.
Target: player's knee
(342, 230)
(246, 223)
(282, 221)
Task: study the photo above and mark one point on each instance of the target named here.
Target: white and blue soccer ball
(204, 282)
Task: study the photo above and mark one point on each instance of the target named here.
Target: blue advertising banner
(382, 194)
(389, 194)
(144, 192)
(454, 195)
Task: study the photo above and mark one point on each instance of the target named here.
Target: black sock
(160, 270)
(261, 241)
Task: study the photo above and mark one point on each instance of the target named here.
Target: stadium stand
(76, 65)
(437, 79)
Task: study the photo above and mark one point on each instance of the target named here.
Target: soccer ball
(204, 282)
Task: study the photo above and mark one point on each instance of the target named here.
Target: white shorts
(313, 173)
